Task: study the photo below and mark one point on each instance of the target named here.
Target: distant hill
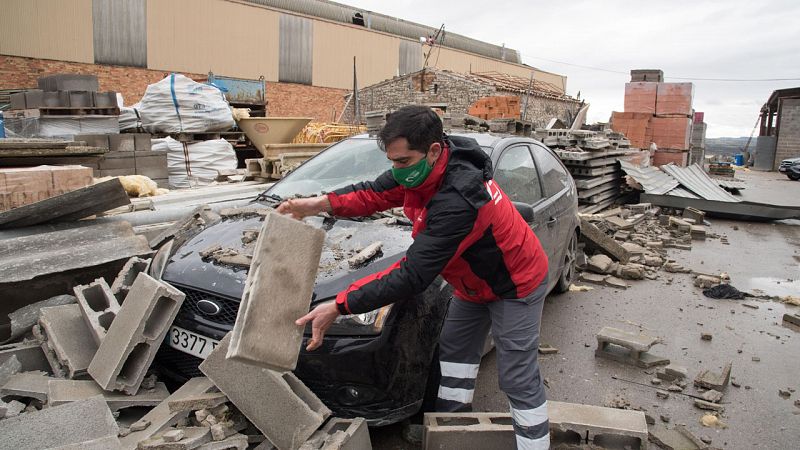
(728, 145)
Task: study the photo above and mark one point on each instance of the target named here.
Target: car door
(518, 177)
(558, 189)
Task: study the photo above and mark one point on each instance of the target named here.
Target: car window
(554, 177)
(517, 176)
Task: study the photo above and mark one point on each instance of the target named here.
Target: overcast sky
(693, 39)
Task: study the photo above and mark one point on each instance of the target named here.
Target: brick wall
(458, 93)
(285, 99)
(789, 134)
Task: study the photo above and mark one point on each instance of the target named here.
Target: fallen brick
(66, 391)
(161, 418)
(27, 384)
(197, 402)
(29, 354)
(711, 380)
(134, 336)
(73, 423)
(603, 242)
(278, 404)
(99, 307)
(68, 343)
(350, 434)
(124, 280)
(26, 317)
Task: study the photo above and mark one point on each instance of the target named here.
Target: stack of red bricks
(660, 113)
(498, 107)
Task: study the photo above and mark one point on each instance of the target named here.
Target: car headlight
(369, 323)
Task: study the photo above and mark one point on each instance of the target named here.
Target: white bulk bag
(177, 104)
(196, 164)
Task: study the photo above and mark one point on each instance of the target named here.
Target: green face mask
(413, 176)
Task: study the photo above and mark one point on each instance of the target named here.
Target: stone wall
(789, 133)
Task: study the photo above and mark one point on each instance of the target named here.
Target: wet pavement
(761, 257)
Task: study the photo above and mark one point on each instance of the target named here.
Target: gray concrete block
(17, 100)
(601, 241)
(142, 142)
(132, 268)
(595, 421)
(63, 425)
(198, 402)
(34, 98)
(161, 418)
(105, 99)
(708, 379)
(29, 354)
(103, 443)
(55, 99)
(234, 442)
(81, 99)
(193, 437)
(68, 343)
(26, 317)
(451, 431)
(278, 404)
(94, 140)
(121, 142)
(134, 336)
(8, 368)
(27, 384)
(99, 307)
(278, 290)
(12, 408)
(343, 434)
(68, 82)
(66, 391)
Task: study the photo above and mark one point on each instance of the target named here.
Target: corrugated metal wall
(120, 32)
(410, 57)
(48, 29)
(296, 49)
(198, 36)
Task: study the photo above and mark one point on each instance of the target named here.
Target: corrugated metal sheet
(652, 180)
(392, 25)
(410, 57)
(296, 49)
(120, 32)
(198, 36)
(697, 181)
(47, 29)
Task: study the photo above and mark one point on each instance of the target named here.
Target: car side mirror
(525, 210)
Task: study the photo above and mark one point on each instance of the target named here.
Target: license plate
(191, 343)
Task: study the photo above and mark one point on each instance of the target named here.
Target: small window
(553, 174)
(516, 174)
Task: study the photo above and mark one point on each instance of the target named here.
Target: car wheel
(793, 176)
(568, 271)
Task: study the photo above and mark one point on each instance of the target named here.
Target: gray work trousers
(515, 330)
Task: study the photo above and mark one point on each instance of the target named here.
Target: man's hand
(321, 319)
(303, 207)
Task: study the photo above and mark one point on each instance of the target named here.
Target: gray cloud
(697, 39)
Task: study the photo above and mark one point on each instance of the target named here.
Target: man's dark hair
(418, 124)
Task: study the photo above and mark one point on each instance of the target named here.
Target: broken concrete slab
(67, 342)
(27, 384)
(615, 282)
(8, 368)
(674, 439)
(712, 380)
(103, 443)
(278, 404)
(702, 404)
(99, 307)
(793, 319)
(694, 214)
(601, 241)
(66, 391)
(594, 421)
(183, 230)
(599, 263)
(618, 223)
(233, 442)
(135, 335)
(122, 283)
(193, 437)
(26, 317)
(592, 278)
(197, 402)
(160, 417)
(278, 290)
(712, 396)
(72, 423)
(28, 353)
(628, 348)
(12, 409)
(672, 372)
(366, 254)
(338, 433)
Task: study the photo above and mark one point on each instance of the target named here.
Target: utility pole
(356, 109)
(527, 94)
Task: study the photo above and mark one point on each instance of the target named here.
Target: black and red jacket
(464, 228)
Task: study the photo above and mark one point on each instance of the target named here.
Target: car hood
(791, 160)
(343, 239)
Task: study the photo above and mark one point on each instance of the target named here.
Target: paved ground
(763, 256)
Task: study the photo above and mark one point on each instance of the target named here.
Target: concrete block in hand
(278, 404)
(278, 290)
(68, 343)
(67, 391)
(132, 340)
(99, 307)
(59, 426)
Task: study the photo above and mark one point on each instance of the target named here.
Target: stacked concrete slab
(134, 336)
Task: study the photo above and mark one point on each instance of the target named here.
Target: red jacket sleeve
(367, 198)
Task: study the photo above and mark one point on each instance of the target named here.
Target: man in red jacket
(466, 229)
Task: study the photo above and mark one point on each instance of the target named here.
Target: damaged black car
(381, 365)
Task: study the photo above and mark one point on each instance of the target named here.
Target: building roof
(772, 103)
(513, 83)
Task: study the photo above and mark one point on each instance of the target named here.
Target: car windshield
(348, 162)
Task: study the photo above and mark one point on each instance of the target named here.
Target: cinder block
(595, 422)
(142, 142)
(67, 391)
(99, 307)
(132, 268)
(34, 98)
(278, 404)
(458, 431)
(68, 82)
(161, 418)
(135, 334)
(278, 290)
(68, 343)
(55, 99)
(338, 433)
(94, 140)
(27, 384)
(105, 99)
(29, 354)
(59, 426)
(18, 100)
(121, 142)
(80, 99)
